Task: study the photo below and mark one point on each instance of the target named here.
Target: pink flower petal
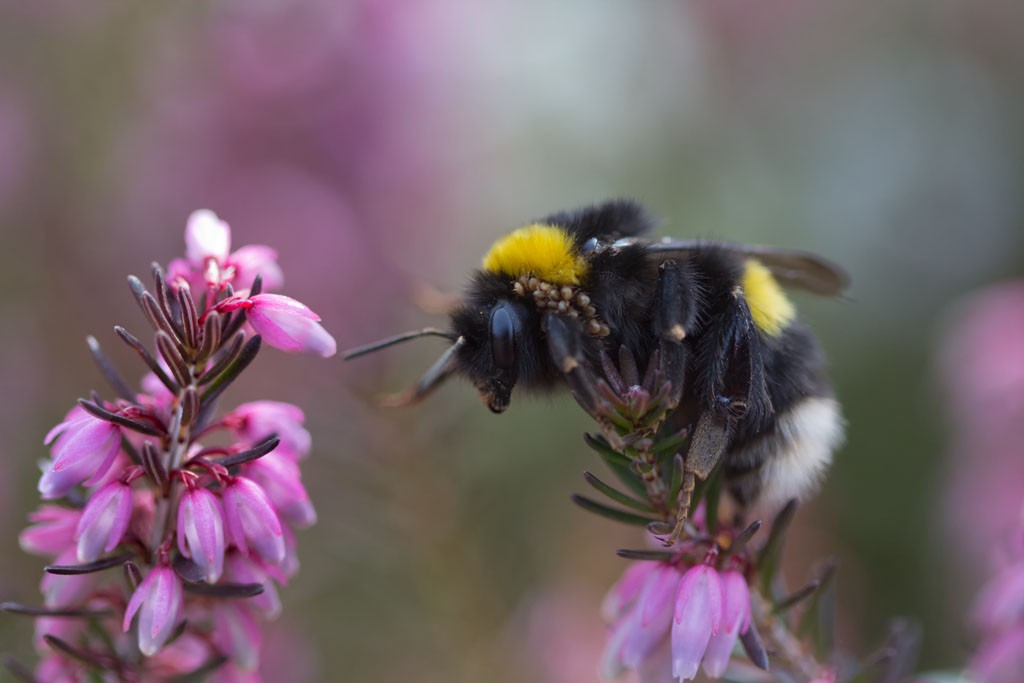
(158, 602)
(251, 520)
(280, 478)
(622, 594)
(67, 590)
(654, 615)
(241, 569)
(256, 420)
(289, 325)
(236, 633)
(52, 530)
(256, 259)
(206, 236)
(84, 450)
(104, 521)
(698, 615)
(201, 532)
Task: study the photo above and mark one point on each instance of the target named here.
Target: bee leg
(675, 313)
(731, 386)
(565, 344)
(435, 375)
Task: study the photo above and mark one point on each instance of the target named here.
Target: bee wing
(791, 267)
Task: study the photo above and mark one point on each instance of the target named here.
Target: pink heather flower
(64, 628)
(289, 567)
(651, 616)
(209, 263)
(55, 668)
(83, 449)
(158, 600)
(67, 590)
(236, 633)
(698, 617)
(641, 604)
(735, 620)
(206, 236)
(183, 655)
(201, 531)
(289, 325)
(251, 520)
(281, 479)
(52, 530)
(256, 259)
(625, 590)
(241, 569)
(1001, 602)
(1000, 659)
(254, 421)
(155, 394)
(143, 512)
(104, 521)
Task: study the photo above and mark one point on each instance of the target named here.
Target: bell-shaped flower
(201, 531)
(252, 260)
(104, 521)
(239, 568)
(652, 615)
(698, 616)
(83, 449)
(210, 263)
(281, 479)
(67, 590)
(52, 530)
(625, 590)
(68, 630)
(289, 567)
(182, 656)
(289, 325)
(236, 633)
(251, 521)
(158, 601)
(206, 236)
(256, 420)
(1000, 604)
(56, 668)
(735, 620)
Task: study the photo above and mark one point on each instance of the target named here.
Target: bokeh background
(381, 146)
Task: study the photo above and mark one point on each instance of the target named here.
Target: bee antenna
(397, 339)
(441, 370)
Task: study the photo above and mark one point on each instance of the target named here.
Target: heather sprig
(706, 586)
(168, 526)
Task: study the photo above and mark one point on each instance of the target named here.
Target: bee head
(493, 353)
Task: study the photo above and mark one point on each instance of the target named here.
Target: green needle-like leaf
(618, 463)
(616, 495)
(645, 555)
(611, 513)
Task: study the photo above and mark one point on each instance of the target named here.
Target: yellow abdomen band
(769, 306)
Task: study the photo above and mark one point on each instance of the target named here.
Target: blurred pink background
(381, 146)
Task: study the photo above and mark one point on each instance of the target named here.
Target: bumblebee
(751, 387)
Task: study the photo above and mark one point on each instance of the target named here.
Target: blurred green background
(381, 147)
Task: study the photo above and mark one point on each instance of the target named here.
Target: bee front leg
(731, 387)
(565, 346)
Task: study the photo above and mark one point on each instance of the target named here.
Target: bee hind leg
(731, 388)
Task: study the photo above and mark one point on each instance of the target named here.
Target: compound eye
(503, 350)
